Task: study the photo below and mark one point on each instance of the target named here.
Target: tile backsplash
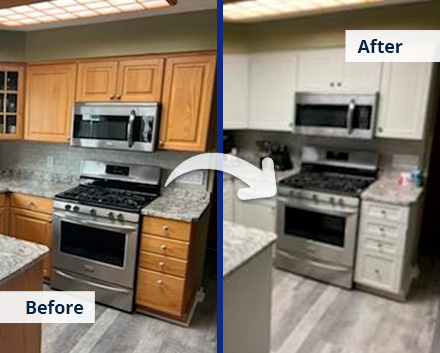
(62, 159)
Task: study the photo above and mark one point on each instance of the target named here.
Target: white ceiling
(181, 7)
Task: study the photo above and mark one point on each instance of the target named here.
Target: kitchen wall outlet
(196, 177)
(50, 161)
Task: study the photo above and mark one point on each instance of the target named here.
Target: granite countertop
(240, 244)
(387, 190)
(34, 187)
(18, 255)
(185, 205)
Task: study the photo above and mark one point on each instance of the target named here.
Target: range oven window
(315, 226)
(333, 116)
(93, 243)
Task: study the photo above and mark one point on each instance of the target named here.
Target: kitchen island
(21, 269)
(247, 284)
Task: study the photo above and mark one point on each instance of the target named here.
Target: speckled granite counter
(179, 204)
(18, 255)
(389, 191)
(240, 244)
(33, 187)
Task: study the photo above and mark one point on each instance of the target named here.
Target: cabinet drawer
(32, 203)
(385, 212)
(377, 271)
(164, 246)
(167, 228)
(2, 200)
(382, 230)
(379, 246)
(162, 263)
(160, 292)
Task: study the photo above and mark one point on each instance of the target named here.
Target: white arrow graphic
(261, 183)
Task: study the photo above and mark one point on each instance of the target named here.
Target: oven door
(96, 248)
(335, 115)
(116, 126)
(321, 232)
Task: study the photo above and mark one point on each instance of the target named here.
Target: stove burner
(331, 182)
(107, 197)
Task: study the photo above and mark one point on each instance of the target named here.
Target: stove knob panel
(76, 208)
(120, 217)
(68, 207)
(111, 215)
(92, 211)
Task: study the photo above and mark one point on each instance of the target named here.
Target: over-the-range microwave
(340, 115)
(122, 126)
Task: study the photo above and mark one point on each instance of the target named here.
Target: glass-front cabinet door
(11, 101)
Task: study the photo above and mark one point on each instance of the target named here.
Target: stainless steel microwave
(340, 115)
(122, 126)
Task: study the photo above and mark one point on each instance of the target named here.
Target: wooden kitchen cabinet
(49, 102)
(170, 266)
(136, 79)
(11, 101)
(325, 71)
(3, 214)
(404, 100)
(186, 102)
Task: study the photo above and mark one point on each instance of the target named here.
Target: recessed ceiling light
(251, 10)
(62, 10)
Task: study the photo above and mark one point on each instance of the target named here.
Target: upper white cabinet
(325, 71)
(404, 95)
(235, 91)
(272, 89)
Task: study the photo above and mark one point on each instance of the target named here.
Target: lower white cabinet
(387, 247)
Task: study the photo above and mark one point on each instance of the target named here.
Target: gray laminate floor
(311, 317)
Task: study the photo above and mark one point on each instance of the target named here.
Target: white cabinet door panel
(404, 99)
(235, 91)
(359, 78)
(272, 84)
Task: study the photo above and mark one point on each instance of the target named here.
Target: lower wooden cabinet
(3, 214)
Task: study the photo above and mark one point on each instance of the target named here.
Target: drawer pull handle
(377, 272)
(162, 264)
(31, 204)
(160, 282)
(165, 228)
(163, 247)
(384, 212)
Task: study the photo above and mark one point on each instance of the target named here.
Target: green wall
(329, 30)
(173, 33)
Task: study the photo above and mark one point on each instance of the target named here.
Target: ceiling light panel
(251, 10)
(63, 10)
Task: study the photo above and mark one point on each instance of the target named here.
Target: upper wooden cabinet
(49, 102)
(11, 101)
(126, 80)
(325, 71)
(186, 102)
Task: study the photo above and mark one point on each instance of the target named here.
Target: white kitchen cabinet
(325, 71)
(272, 81)
(235, 91)
(259, 213)
(387, 248)
(404, 96)
(228, 198)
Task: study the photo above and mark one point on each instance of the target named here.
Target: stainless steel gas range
(96, 230)
(318, 212)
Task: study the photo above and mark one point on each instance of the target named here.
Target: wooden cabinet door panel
(50, 97)
(187, 99)
(33, 227)
(97, 81)
(140, 80)
(2, 221)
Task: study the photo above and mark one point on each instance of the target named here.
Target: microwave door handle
(130, 128)
(350, 114)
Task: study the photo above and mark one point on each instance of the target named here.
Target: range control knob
(76, 208)
(341, 201)
(92, 211)
(332, 200)
(120, 217)
(111, 215)
(315, 197)
(67, 207)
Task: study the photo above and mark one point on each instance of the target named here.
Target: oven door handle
(130, 128)
(94, 284)
(78, 220)
(338, 213)
(350, 114)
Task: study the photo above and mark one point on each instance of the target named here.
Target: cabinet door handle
(161, 264)
(165, 228)
(379, 129)
(339, 84)
(118, 96)
(332, 84)
(163, 247)
(112, 96)
(160, 282)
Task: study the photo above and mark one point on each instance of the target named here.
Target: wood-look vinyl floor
(312, 317)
